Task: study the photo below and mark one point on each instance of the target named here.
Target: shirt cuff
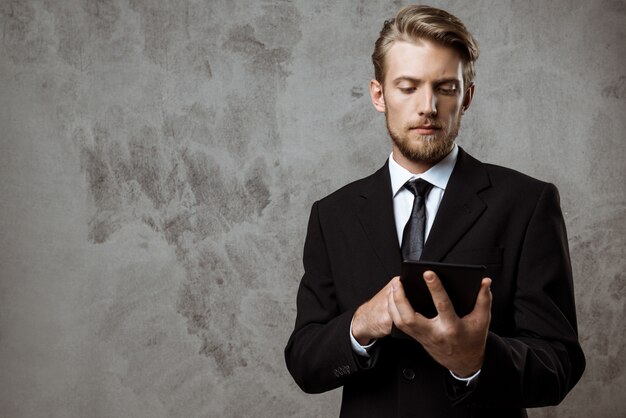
(361, 350)
(467, 380)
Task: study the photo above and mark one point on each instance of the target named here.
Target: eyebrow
(417, 80)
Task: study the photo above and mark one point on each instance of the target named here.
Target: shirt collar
(438, 175)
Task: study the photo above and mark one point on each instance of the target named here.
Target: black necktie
(415, 229)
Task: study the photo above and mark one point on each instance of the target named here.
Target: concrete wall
(158, 161)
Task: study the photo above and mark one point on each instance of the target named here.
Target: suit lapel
(459, 208)
(375, 213)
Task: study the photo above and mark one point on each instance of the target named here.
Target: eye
(407, 90)
(448, 89)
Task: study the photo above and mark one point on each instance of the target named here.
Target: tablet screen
(461, 281)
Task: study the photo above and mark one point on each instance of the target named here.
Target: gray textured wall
(158, 161)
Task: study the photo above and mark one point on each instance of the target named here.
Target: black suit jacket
(489, 215)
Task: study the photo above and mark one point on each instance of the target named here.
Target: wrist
(470, 366)
(467, 380)
(464, 374)
(468, 371)
(358, 331)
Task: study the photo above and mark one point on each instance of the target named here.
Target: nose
(427, 102)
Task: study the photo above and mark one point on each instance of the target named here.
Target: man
(519, 347)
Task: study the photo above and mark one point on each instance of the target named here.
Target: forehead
(422, 60)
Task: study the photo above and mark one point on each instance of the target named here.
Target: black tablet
(461, 281)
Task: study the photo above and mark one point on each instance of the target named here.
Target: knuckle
(443, 305)
(438, 339)
(404, 323)
(452, 333)
(449, 333)
(400, 322)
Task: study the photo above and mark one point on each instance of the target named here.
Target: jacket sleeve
(319, 354)
(543, 360)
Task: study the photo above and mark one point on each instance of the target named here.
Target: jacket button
(408, 374)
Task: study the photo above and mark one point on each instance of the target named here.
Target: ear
(467, 98)
(376, 93)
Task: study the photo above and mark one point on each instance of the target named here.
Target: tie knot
(419, 187)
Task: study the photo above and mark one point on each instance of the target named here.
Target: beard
(425, 148)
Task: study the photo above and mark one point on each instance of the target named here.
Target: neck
(415, 167)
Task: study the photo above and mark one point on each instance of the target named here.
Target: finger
(442, 302)
(405, 314)
(403, 305)
(388, 285)
(483, 301)
(391, 305)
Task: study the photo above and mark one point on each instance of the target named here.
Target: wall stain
(615, 90)
(103, 14)
(158, 25)
(258, 194)
(594, 251)
(258, 57)
(201, 175)
(69, 27)
(135, 171)
(147, 166)
(357, 92)
(167, 36)
(175, 227)
(199, 58)
(22, 38)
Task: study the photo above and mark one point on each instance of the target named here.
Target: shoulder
(503, 183)
(520, 190)
(507, 177)
(504, 177)
(346, 196)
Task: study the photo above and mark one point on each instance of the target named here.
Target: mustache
(424, 122)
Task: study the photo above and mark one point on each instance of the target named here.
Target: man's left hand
(458, 344)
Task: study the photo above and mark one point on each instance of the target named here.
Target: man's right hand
(372, 319)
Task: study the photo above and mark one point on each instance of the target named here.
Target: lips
(426, 129)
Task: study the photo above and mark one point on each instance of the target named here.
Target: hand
(458, 344)
(372, 319)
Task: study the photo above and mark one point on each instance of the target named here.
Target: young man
(519, 347)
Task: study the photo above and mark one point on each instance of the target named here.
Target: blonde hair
(425, 22)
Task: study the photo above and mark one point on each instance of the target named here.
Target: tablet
(461, 281)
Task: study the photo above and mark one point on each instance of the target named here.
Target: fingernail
(394, 286)
(429, 277)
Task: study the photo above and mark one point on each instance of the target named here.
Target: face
(423, 98)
